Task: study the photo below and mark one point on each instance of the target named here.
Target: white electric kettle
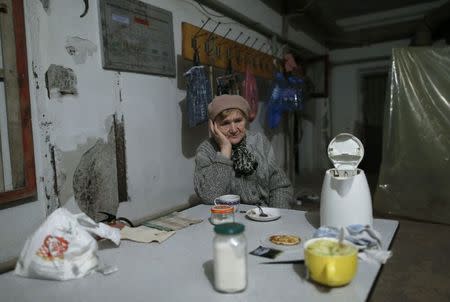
(345, 197)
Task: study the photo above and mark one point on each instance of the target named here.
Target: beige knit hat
(227, 101)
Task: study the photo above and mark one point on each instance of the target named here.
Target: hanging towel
(251, 93)
(198, 95)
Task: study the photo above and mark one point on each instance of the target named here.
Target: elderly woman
(237, 161)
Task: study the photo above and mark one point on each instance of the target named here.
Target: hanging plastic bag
(63, 247)
(277, 103)
(295, 94)
(251, 93)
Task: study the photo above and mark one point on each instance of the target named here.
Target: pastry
(285, 239)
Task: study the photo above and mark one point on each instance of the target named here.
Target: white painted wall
(312, 151)
(159, 172)
(346, 66)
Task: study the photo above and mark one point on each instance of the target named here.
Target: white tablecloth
(180, 269)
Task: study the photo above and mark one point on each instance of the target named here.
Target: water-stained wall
(95, 179)
(104, 140)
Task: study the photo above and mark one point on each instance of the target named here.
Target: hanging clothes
(228, 84)
(198, 95)
(250, 93)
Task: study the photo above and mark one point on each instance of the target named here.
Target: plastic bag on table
(63, 247)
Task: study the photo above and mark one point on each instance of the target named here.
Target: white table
(180, 269)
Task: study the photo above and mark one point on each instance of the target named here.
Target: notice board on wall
(137, 37)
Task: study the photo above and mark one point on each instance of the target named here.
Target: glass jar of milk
(230, 257)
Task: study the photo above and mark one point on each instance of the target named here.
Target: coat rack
(208, 48)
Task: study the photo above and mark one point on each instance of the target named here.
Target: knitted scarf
(244, 162)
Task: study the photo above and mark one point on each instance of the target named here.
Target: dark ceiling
(354, 23)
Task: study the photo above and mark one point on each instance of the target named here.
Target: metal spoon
(261, 212)
(341, 237)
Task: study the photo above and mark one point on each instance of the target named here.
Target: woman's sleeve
(212, 175)
(280, 188)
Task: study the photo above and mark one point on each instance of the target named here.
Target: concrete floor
(419, 269)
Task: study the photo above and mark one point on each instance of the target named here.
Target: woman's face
(232, 126)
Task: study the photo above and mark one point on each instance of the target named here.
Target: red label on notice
(141, 21)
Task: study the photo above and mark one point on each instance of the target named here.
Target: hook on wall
(211, 33)
(196, 56)
(252, 58)
(237, 38)
(196, 35)
(274, 46)
(238, 54)
(222, 41)
(224, 37)
(235, 45)
(86, 8)
(250, 47)
(263, 48)
(259, 61)
(254, 42)
(262, 45)
(209, 49)
(245, 42)
(200, 29)
(224, 52)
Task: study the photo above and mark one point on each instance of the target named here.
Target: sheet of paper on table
(144, 234)
(172, 222)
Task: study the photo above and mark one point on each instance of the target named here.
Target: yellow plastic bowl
(331, 270)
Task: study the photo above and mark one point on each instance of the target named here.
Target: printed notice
(137, 37)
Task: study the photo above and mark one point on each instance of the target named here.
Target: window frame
(29, 189)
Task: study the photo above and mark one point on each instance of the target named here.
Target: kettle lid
(345, 152)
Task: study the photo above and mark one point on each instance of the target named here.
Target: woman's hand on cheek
(221, 139)
(211, 129)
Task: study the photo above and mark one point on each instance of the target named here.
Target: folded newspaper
(144, 234)
(172, 222)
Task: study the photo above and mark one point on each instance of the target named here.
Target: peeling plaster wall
(95, 179)
(159, 146)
